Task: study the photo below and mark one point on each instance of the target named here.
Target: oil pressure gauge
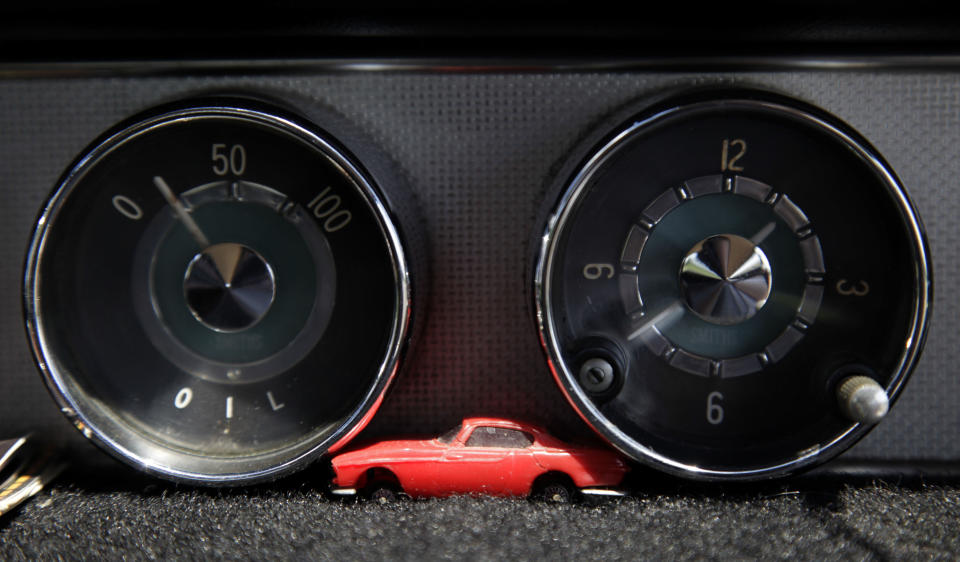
(219, 291)
(733, 285)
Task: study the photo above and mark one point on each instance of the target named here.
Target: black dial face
(218, 292)
(713, 275)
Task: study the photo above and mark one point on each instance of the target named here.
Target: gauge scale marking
(716, 255)
(218, 293)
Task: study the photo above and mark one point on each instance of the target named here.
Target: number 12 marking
(728, 161)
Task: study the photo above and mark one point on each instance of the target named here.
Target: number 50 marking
(234, 161)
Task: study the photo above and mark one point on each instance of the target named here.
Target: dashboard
(467, 149)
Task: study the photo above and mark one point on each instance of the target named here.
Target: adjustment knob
(862, 400)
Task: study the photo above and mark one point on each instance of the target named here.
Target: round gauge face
(714, 273)
(217, 293)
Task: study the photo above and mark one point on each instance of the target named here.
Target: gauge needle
(669, 314)
(762, 234)
(181, 212)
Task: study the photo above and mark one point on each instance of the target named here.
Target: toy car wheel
(555, 491)
(383, 492)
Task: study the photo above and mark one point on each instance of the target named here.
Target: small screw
(596, 375)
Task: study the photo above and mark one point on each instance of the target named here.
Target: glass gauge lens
(721, 276)
(217, 292)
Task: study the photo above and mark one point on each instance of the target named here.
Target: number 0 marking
(127, 207)
(184, 397)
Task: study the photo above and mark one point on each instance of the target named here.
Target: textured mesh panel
(478, 151)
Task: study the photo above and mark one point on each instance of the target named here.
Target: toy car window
(499, 437)
(450, 435)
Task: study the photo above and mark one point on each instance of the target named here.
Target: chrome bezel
(131, 446)
(572, 192)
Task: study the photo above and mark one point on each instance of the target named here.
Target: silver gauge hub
(725, 279)
(229, 287)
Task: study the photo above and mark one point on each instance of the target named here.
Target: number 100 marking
(326, 206)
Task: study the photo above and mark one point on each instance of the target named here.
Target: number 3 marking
(845, 288)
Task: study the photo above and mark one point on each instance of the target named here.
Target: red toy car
(481, 456)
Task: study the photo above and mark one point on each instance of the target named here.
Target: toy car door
(484, 462)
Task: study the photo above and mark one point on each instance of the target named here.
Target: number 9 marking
(597, 270)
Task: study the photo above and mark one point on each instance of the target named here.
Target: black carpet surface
(103, 517)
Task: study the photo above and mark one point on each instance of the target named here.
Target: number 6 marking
(714, 410)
